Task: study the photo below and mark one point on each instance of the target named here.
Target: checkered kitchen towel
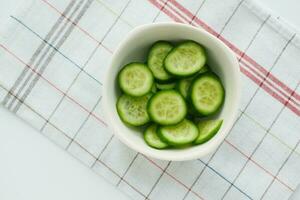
(54, 54)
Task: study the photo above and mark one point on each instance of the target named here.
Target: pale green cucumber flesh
(135, 79)
(167, 107)
(180, 134)
(207, 94)
(186, 59)
(207, 130)
(156, 57)
(152, 139)
(133, 110)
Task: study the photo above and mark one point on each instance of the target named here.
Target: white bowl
(134, 48)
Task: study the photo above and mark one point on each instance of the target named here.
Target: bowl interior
(135, 47)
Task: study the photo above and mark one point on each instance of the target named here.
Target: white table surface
(33, 168)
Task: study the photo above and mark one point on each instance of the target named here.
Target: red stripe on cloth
(272, 77)
(178, 13)
(180, 7)
(231, 46)
(195, 18)
(160, 6)
(240, 54)
(270, 84)
(183, 18)
(270, 91)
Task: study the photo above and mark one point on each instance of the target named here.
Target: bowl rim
(197, 153)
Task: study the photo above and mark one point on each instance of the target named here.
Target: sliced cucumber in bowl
(180, 134)
(170, 94)
(167, 107)
(184, 84)
(156, 57)
(152, 139)
(186, 59)
(133, 110)
(207, 129)
(135, 79)
(207, 94)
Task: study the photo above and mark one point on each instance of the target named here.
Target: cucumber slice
(183, 85)
(208, 129)
(186, 59)
(136, 79)
(180, 134)
(156, 57)
(207, 94)
(167, 107)
(152, 139)
(165, 86)
(133, 110)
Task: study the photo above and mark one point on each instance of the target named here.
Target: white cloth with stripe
(54, 54)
